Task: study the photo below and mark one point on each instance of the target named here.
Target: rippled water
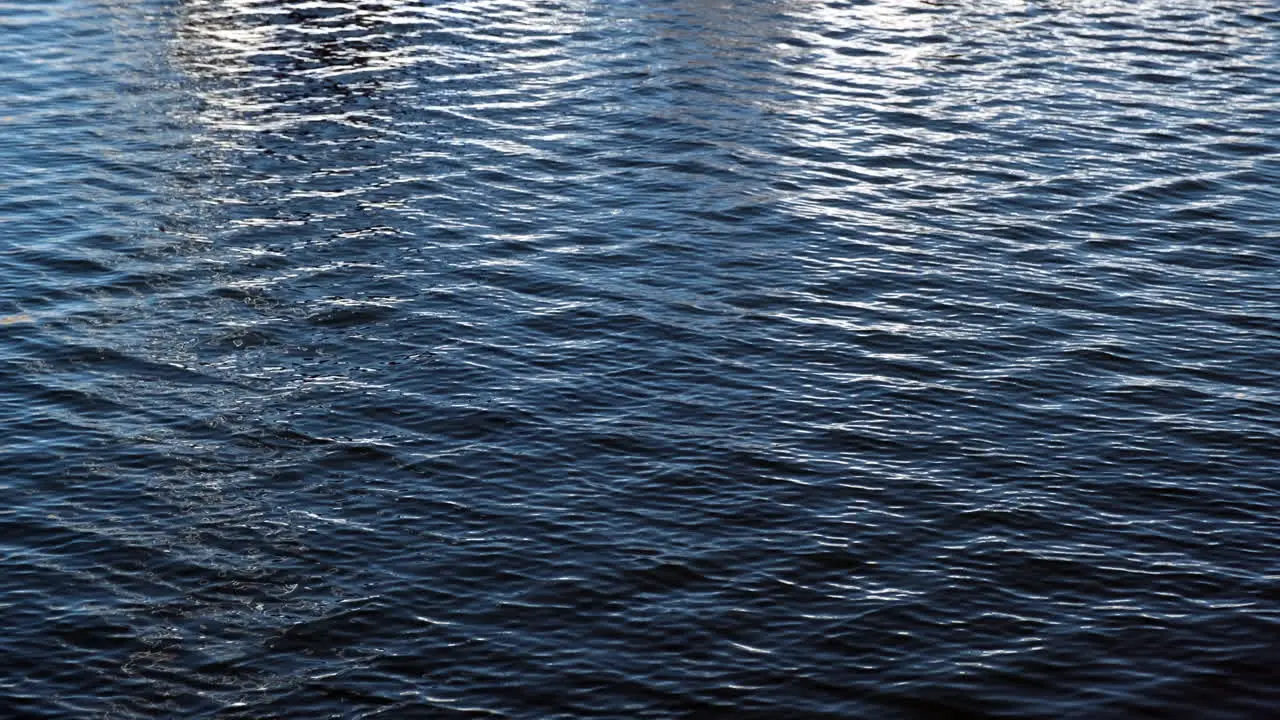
(640, 358)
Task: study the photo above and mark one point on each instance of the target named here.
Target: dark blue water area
(640, 359)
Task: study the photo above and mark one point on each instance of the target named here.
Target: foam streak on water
(648, 358)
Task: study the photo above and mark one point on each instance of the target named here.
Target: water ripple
(652, 358)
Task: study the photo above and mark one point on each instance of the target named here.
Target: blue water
(640, 359)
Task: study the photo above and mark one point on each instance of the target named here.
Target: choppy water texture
(640, 358)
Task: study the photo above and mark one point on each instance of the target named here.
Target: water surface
(645, 358)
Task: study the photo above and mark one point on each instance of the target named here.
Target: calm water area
(752, 359)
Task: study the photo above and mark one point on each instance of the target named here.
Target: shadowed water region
(640, 358)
